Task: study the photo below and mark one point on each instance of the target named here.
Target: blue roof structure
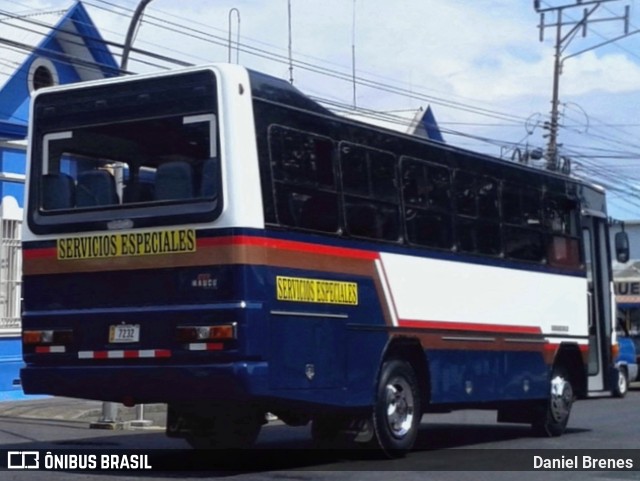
(425, 125)
(431, 126)
(72, 51)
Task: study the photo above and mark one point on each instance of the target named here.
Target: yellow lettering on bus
(126, 245)
(300, 289)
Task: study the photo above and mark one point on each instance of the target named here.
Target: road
(606, 423)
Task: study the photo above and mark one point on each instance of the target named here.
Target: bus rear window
(137, 170)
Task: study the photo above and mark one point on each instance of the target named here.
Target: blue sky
(479, 64)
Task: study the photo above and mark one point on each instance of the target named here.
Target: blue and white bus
(215, 240)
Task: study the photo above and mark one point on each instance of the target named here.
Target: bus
(213, 239)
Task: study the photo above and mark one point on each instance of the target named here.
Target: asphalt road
(450, 447)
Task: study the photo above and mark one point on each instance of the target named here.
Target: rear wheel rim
(400, 407)
(561, 398)
(622, 382)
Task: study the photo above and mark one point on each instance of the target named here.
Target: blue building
(47, 49)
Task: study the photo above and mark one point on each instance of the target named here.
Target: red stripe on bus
(50, 349)
(39, 253)
(466, 326)
(249, 241)
(288, 245)
(584, 348)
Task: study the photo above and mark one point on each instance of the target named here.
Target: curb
(92, 412)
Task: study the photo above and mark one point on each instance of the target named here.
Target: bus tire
(621, 387)
(397, 410)
(552, 415)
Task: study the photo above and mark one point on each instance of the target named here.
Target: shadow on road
(440, 446)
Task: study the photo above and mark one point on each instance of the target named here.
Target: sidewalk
(81, 410)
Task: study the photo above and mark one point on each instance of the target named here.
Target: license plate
(124, 333)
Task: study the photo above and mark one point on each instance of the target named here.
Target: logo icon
(23, 460)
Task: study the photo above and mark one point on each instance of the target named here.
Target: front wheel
(622, 385)
(552, 416)
(397, 411)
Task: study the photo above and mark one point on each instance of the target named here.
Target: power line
(506, 120)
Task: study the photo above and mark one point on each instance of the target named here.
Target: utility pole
(565, 32)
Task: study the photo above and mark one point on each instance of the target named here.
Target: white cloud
(614, 72)
(480, 54)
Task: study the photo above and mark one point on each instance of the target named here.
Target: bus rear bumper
(150, 384)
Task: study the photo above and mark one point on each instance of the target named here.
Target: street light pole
(132, 28)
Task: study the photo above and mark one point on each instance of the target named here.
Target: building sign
(627, 292)
(627, 288)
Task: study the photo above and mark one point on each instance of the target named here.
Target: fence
(10, 269)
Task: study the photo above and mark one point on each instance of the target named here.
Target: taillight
(615, 350)
(32, 338)
(220, 332)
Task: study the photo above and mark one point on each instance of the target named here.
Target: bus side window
(426, 192)
(372, 220)
(370, 192)
(560, 222)
(314, 210)
(478, 219)
(304, 187)
(523, 234)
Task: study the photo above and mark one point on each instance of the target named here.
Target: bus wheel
(397, 411)
(233, 428)
(622, 386)
(551, 417)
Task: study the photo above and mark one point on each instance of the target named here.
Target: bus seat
(174, 180)
(138, 192)
(96, 188)
(208, 183)
(58, 192)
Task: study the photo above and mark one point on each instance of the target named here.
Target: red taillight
(31, 338)
(615, 350)
(221, 332)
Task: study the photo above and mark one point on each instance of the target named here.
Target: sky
(479, 64)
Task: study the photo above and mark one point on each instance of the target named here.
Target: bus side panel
(306, 352)
(488, 328)
(472, 376)
(317, 351)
